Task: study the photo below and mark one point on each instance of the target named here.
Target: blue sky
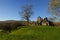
(9, 9)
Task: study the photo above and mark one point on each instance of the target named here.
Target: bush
(9, 26)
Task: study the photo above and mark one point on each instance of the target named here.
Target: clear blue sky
(9, 9)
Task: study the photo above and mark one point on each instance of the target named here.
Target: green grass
(33, 33)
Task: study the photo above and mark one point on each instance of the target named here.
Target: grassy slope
(34, 33)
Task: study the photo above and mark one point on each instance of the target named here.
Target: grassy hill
(33, 33)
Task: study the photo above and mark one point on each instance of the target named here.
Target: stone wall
(41, 21)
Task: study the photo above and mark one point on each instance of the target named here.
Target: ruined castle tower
(45, 21)
(39, 20)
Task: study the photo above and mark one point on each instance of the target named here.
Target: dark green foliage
(9, 26)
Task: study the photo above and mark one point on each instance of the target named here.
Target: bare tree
(54, 8)
(26, 12)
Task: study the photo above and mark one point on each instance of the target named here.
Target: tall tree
(26, 12)
(54, 8)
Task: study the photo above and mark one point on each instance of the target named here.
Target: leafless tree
(26, 12)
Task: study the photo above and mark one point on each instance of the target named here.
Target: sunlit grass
(33, 33)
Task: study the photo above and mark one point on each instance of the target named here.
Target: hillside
(33, 33)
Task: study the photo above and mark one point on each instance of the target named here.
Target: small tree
(26, 12)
